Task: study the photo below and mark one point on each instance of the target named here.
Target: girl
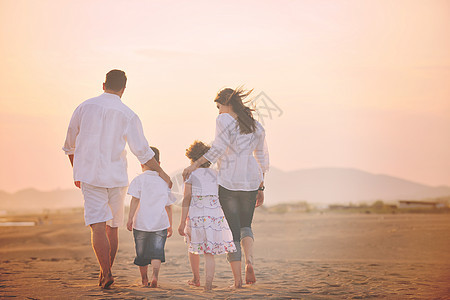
(202, 219)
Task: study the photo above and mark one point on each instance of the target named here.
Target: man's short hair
(115, 80)
(156, 153)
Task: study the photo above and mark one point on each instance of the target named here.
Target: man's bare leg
(247, 245)
(156, 264)
(209, 270)
(113, 237)
(194, 259)
(236, 269)
(144, 276)
(100, 244)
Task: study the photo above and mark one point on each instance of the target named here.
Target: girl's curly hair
(197, 150)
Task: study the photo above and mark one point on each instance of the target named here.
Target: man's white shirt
(98, 132)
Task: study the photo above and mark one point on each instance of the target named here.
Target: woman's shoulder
(225, 118)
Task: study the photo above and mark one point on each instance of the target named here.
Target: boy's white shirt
(154, 195)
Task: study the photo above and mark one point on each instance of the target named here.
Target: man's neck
(114, 93)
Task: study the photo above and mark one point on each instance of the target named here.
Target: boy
(150, 218)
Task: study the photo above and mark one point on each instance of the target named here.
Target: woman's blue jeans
(238, 208)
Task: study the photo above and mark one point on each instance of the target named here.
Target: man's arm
(153, 165)
(77, 183)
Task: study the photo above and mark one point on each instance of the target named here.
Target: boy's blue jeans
(149, 245)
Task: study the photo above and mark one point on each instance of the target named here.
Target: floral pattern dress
(206, 224)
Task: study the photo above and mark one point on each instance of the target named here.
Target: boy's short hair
(115, 80)
(156, 153)
(197, 150)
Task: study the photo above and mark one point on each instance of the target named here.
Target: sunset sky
(360, 84)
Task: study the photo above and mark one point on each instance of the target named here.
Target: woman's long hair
(227, 96)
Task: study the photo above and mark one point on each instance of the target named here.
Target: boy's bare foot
(107, 281)
(249, 274)
(154, 283)
(236, 285)
(194, 282)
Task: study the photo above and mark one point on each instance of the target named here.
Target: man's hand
(130, 225)
(167, 179)
(259, 198)
(181, 229)
(169, 231)
(77, 184)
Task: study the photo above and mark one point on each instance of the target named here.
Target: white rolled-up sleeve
(72, 132)
(221, 140)
(137, 141)
(261, 152)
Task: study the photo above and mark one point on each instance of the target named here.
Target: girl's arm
(133, 207)
(185, 207)
(169, 214)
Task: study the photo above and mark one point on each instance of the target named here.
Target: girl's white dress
(206, 222)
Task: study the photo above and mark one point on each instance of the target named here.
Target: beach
(297, 256)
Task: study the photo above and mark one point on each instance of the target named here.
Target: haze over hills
(316, 186)
(342, 186)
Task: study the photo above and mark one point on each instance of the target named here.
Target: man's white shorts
(103, 204)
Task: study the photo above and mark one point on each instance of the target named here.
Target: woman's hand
(259, 198)
(169, 232)
(181, 229)
(187, 172)
(130, 224)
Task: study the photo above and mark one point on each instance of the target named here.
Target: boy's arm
(169, 214)
(133, 207)
(185, 207)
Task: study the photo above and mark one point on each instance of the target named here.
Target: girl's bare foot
(154, 283)
(249, 274)
(208, 286)
(194, 282)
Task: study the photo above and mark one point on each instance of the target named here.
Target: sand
(297, 256)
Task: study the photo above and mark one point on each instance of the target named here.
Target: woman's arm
(133, 207)
(185, 207)
(218, 147)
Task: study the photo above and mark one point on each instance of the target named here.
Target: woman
(240, 150)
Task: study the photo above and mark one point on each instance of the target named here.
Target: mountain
(316, 186)
(342, 186)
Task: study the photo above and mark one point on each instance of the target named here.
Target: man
(95, 143)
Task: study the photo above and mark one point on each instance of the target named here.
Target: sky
(352, 84)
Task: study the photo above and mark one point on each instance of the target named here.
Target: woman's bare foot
(194, 282)
(154, 283)
(249, 274)
(107, 281)
(145, 281)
